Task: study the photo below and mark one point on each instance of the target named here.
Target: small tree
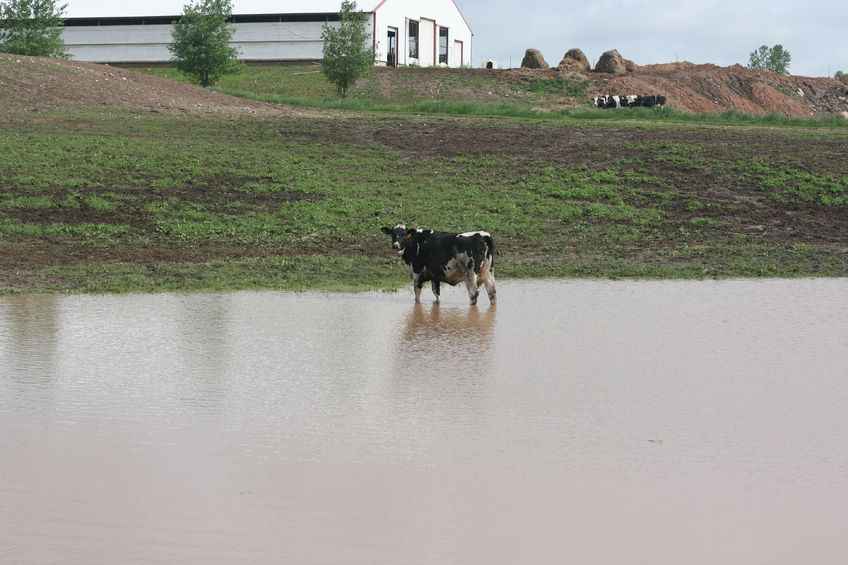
(841, 76)
(767, 58)
(201, 47)
(346, 56)
(32, 27)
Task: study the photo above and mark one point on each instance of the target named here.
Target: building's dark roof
(159, 8)
(164, 20)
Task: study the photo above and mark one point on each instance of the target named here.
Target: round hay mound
(533, 59)
(576, 61)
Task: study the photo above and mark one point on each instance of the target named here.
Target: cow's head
(398, 235)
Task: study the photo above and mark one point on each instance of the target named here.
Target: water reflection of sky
(609, 409)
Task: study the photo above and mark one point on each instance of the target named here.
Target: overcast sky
(656, 31)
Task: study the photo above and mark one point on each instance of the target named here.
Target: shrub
(32, 27)
(201, 47)
(767, 58)
(346, 56)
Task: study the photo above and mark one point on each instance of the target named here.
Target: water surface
(581, 422)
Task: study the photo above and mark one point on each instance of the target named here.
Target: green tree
(841, 76)
(346, 55)
(201, 47)
(767, 58)
(32, 27)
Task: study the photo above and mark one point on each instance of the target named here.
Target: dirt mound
(709, 88)
(533, 59)
(39, 84)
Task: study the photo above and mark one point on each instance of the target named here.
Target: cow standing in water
(439, 257)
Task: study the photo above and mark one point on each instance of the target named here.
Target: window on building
(443, 45)
(413, 39)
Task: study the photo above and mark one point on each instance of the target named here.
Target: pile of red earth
(708, 88)
(38, 84)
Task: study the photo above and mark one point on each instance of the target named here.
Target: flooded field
(579, 422)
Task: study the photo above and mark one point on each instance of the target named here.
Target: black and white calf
(439, 257)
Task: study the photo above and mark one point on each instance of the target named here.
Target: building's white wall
(268, 41)
(396, 13)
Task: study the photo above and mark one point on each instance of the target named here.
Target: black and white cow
(631, 101)
(440, 257)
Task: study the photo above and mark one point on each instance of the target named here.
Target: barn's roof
(152, 8)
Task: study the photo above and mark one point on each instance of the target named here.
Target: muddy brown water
(579, 422)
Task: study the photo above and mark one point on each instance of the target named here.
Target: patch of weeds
(680, 155)
(27, 202)
(704, 222)
(189, 222)
(624, 213)
(788, 185)
(99, 203)
(637, 177)
(576, 184)
(89, 232)
(571, 88)
(302, 273)
(72, 200)
(695, 206)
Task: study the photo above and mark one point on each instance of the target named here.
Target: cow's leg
(436, 286)
(418, 284)
(471, 285)
(491, 289)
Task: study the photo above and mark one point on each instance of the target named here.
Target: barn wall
(396, 13)
(268, 41)
(280, 41)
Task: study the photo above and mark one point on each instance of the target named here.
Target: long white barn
(403, 32)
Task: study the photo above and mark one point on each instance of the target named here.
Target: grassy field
(116, 202)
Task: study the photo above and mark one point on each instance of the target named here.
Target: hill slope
(688, 87)
(40, 84)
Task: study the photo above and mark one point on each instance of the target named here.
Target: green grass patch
(85, 232)
(27, 202)
(299, 273)
(792, 185)
(99, 203)
(312, 194)
(560, 86)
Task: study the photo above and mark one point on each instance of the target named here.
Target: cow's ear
(387, 231)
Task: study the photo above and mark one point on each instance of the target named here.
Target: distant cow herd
(628, 101)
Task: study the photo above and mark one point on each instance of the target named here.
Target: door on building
(392, 52)
(459, 53)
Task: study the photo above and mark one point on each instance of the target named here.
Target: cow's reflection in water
(444, 359)
(439, 324)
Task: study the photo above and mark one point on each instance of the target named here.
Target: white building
(403, 32)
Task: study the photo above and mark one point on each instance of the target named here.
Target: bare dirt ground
(36, 84)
